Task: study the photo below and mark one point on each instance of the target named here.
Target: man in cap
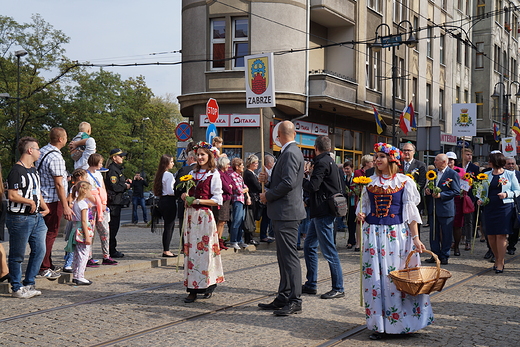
(115, 183)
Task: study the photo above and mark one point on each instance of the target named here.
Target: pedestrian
(285, 209)
(255, 207)
(222, 213)
(367, 163)
(115, 184)
(469, 218)
(202, 262)
(53, 174)
(82, 146)
(100, 211)
(323, 183)
(266, 231)
(164, 188)
(137, 186)
(238, 202)
(443, 204)
(4, 269)
(82, 233)
(348, 169)
(458, 221)
(26, 209)
(388, 211)
(500, 188)
(512, 239)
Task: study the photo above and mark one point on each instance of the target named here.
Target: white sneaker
(49, 274)
(234, 245)
(32, 289)
(23, 293)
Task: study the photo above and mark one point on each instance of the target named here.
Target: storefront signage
(311, 128)
(233, 121)
(448, 139)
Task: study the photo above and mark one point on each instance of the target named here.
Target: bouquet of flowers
(431, 176)
(478, 187)
(412, 176)
(187, 182)
(359, 183)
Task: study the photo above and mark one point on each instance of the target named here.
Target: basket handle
(437, 261)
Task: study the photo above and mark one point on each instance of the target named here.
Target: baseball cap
(118, 151)
(451, 155)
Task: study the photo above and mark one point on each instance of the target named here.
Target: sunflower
(362, 180)
(186, 178)
(467, 176)
(482, 176)
(431, 175)
(411, 176)
(470, 181)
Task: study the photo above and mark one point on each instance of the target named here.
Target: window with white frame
(498, 9)
(240, 40)
(442, 43)
(481, 7)
(429, 41)
(401, 85)
(373, 69)
(466, 55)
(376, 5)
(399, 10)
(479, 100)
(428, 100)
(441, 104)
(218, 43)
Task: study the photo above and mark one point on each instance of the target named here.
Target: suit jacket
(418, 169)
(450, 188)
(472, 168)
(284, 197)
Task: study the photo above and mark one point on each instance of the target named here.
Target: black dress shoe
(308, 290)
(207, 295)
(290, 308)
(189, 299)
(375, 336)
(117, 255)
(349, 246)
(430, 260)
(488, 254)
(357, 249)
(169, 256)
(509, 251)
(456, 253)
(275, 305)
(6, 277)
(444, 261)
(333, 294)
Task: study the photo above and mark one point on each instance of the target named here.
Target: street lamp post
(18, 54)
(142, 162)
(497, 92)
(394, 41)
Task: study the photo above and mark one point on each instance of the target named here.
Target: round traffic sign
(212, 110)
(211, 132)
(275, 135)
(183, 131)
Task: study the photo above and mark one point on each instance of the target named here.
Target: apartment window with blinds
(479, 100)
(218, 43)
(479, 61)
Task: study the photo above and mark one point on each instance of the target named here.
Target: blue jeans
(302, 229)
(137, 201)
(235, 234)
(321, 233)
(25, 229)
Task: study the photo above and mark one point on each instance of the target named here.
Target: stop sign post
(212, 110)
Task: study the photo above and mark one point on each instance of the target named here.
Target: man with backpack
(53, 174)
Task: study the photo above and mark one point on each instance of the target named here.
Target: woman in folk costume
(202, 263)
(389, 213)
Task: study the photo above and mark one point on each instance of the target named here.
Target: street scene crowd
(386, 200)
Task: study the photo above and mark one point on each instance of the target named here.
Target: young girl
(82, 233)
(77, 176)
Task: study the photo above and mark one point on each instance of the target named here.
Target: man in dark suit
(441, 222)
(285, 209)
(469, 218)
(416, 168)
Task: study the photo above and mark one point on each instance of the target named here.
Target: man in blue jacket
(441, 209)
(322, 184)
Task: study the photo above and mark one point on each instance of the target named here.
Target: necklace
(199, 175)
(381, 178)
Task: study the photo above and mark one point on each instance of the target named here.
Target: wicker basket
(421, 279)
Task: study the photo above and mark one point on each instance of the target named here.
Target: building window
(428, 100)
(514, 73)
(498, 9)
(459, 5)
(505, 62)
(233, 143)
(429, 42)
(481, 7)
(496, 59)
(441, 104)
(399, 10)
(479, 63)
(401, 73)
(514, 25)
(240, 40)
(466, 96)
(376, 5)
(348, 146)
(457, 95)
(459, 50)
(373, 69)
(444, 4)
(442, 42)
(466, 55)
(218, 43)
(479, 100)
(415, 87)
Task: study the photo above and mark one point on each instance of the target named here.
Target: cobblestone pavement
(142, 298)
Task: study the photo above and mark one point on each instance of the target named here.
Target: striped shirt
(53, 165)
(238, 193)
(27, 182)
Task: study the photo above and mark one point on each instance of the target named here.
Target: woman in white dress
(389, 214)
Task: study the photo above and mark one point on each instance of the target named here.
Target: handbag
(338, 203)
(467, 205)
(80, 235)
(249, 220)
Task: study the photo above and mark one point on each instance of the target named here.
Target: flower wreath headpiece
(393, 152)
(202, 144)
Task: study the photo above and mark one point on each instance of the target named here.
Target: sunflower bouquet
(478, 187)
(469, 178)
(359, 183)
(431, 176)
(187, 182)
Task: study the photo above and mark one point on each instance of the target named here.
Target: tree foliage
(123, 113)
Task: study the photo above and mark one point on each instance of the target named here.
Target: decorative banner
(259, 81)
(464, 117)
(508, 146)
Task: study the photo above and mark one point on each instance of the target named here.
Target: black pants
(115, 221)
(168, 210)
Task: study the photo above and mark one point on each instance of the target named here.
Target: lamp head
(20, 53)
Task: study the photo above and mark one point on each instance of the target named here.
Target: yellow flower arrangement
(431, 175)
(411, 176)
(482, 176)
(467, 176)
(187, 182)
(186, 178)
(363, 180)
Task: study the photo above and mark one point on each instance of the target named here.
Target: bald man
(441, 227)
(285, 209)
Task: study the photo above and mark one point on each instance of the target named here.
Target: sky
(115, 32)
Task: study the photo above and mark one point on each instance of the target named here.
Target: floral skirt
(385, 248)
(202, 263)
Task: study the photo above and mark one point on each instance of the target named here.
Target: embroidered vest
(385, 205)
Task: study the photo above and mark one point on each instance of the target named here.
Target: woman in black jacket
(251, 181)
